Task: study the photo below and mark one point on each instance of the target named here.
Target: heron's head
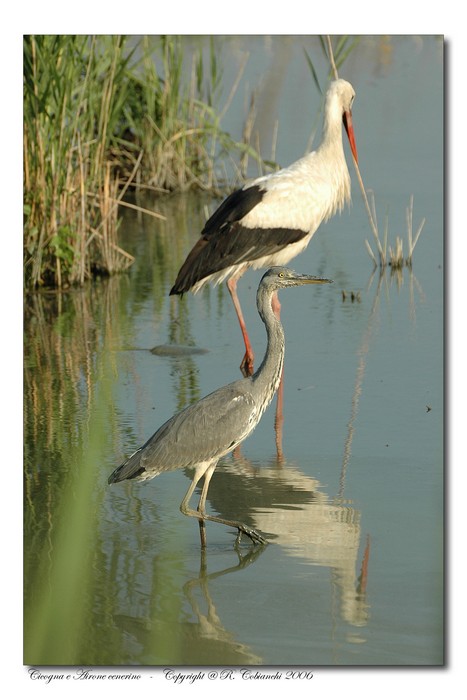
(280, 277)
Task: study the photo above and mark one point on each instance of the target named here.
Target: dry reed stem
(372, 221)
(235, 86)
(331, 57)
(396, 256)
(411, 239)
(247, 132)
(149, 212)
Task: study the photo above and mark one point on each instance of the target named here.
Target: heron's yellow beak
(311, 279)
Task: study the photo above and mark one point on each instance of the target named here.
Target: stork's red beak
(347, 119)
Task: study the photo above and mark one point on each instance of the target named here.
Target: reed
(335, 55)
(102, 115)
(388, 255)
(70, 111)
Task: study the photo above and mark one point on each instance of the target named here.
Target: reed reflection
(385, 277)
(70, 378)
(165, 615)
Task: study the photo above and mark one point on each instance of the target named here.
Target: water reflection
(293, 511)
(194, 633)
(115, 578)
(157, 606)
(166, 617)
(221, 642)
(82, 346)
(388, 276)
(385, 278)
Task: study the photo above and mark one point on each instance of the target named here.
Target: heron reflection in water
(199, 435)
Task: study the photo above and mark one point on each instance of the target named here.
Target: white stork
(272, 218)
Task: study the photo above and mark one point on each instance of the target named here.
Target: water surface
(354, 508)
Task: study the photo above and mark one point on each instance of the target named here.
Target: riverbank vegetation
(108, 115)
(103, 115)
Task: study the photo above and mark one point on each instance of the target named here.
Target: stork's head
(339, 100)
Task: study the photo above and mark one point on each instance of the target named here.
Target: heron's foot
(254, 536)
(247, 366)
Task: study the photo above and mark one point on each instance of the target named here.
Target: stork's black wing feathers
(233, 208)
(225, 242)
(232, 245)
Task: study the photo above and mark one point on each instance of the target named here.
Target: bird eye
(281, 274)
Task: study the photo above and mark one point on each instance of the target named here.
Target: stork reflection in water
(199, 435)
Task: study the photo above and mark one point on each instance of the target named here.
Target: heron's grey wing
(206, 430)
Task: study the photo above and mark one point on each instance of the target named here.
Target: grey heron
(273, 218)
(199, 435)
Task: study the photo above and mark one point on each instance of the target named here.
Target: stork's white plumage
(272, 218)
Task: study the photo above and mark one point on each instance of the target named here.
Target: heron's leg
(254, 536)
(207, 478)
(201, 515)
(248, 359)
(202, 503)
(202, 533)
(184, 506)
(200, 470)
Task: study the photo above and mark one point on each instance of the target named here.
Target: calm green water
(353, 511)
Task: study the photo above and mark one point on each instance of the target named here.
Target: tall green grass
(71, 108)
(74, 435)
(102, 114)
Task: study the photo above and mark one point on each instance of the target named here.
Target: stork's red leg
(279, 419)
(248, 359)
